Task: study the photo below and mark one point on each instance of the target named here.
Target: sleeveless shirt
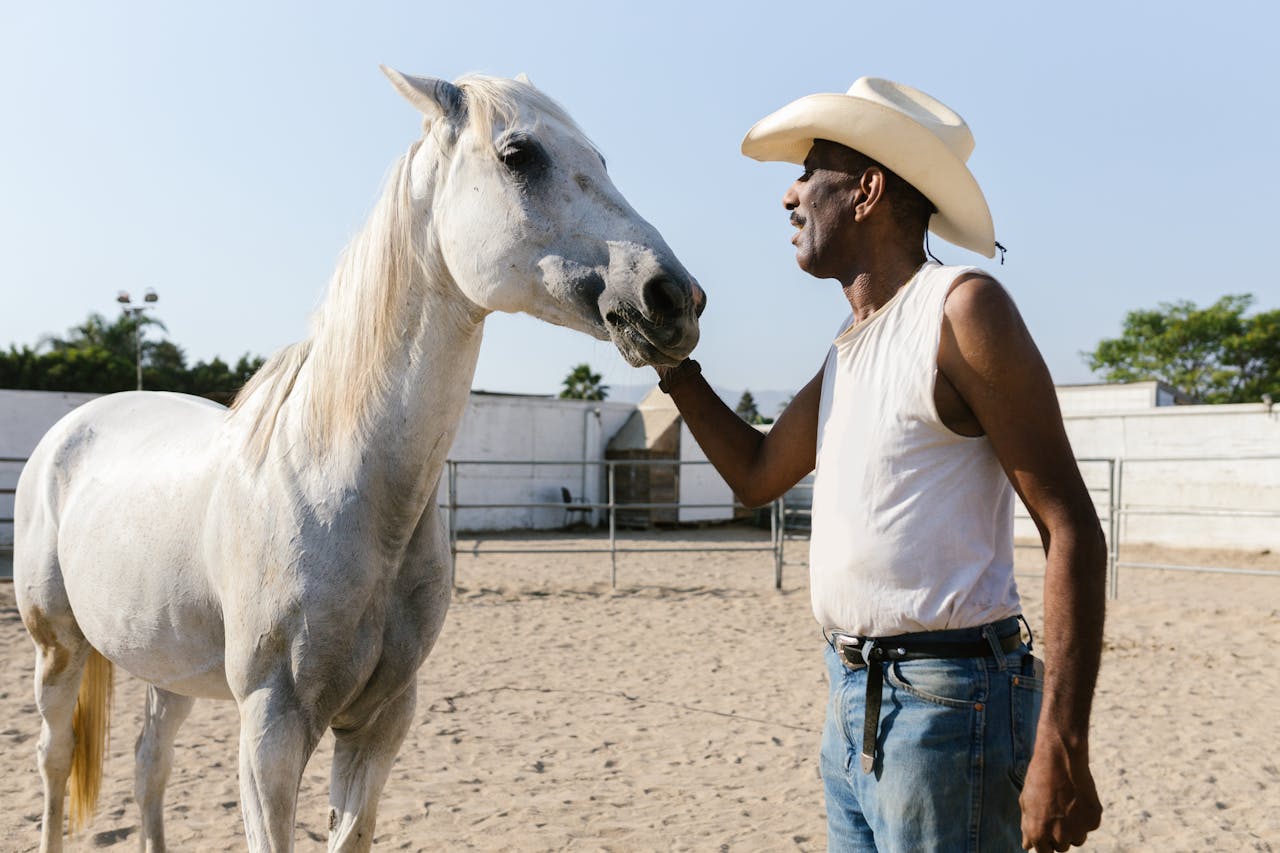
(912, 522)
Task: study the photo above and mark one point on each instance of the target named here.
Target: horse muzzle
(659, 324)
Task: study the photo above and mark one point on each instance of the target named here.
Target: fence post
(778, 523)
(1113, 586)
(613, 553)
(453, 517)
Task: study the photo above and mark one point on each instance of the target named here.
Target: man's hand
(1059, 801)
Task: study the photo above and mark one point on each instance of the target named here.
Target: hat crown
(930, 113)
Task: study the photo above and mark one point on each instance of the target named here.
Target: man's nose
(791, 198)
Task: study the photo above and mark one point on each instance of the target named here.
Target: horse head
(523, 216)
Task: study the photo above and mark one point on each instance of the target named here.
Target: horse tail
(90, 724)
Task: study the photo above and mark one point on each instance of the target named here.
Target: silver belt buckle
(844, 643)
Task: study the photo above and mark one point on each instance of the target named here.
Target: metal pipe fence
(787, 518)
(611, 507)
(6, 545)
(1124, 511)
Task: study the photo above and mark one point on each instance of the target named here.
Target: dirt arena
(681, 711)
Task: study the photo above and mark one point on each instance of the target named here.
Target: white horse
(287, 553)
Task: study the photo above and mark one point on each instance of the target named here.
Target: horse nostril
(662, 298)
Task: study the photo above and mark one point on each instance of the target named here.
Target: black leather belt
(860, 652)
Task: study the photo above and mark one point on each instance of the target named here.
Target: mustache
(796, 219)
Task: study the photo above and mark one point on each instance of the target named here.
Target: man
(932, 407)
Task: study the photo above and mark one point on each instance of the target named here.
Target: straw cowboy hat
(911, 133)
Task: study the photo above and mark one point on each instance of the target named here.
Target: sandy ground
(681, 711)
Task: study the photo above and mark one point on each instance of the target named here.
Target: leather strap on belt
(872, 653)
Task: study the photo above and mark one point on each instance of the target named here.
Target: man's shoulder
(976, 295)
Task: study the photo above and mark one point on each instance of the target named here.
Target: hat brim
(891, 138)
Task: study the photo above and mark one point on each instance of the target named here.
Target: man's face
(822, 202)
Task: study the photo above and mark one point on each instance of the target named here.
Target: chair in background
(570, 507)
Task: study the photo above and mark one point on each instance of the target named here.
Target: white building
(1193, 475)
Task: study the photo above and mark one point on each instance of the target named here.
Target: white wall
(521, 428)
(1091, 399)
(500, 427)
(701, 484)
(1189, 436)
(1192, 435)
(25, 416)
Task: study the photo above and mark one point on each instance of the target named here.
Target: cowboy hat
(918, 137)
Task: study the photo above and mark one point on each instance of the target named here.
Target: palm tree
(582, 384)
(116, 337)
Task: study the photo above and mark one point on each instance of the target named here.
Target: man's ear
(871, 188)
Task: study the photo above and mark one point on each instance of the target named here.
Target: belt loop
(989, 631)
(868, 646)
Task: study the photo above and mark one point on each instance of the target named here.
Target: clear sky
(223, 153)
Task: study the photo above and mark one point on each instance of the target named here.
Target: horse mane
(361, 321)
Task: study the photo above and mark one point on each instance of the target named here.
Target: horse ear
(524, 78)
(434, 98)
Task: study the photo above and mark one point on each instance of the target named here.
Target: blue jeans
(955, 739)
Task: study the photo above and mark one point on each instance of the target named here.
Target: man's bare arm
(758, 467)
(988, 356)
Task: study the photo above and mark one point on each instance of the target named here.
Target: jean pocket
(949, 682)
(1025, 694)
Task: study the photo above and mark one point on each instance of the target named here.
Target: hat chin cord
(928, 251)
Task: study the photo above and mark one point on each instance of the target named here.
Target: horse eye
(523, 156)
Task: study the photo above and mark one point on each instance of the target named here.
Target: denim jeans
(954, 742)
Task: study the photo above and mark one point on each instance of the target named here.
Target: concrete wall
(501, 427)
(1169, 463)
(1117, 398)
(1166, 451)
(520, 428)
(701, 484)
(25, 416)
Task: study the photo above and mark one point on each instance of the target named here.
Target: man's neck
(869, 286)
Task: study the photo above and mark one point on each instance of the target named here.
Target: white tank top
(912, 523)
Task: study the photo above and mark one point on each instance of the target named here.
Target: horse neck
(395, 451)
(387, 373)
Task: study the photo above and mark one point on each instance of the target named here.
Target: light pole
(136, 310)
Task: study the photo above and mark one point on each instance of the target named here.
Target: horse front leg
(277, 736)
(362, 759)
(153, 759)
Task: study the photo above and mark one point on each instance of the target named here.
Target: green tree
(217, 381)
(116, 337)
(165, 367)
(748, 410)
(582, 384)
(99, 356)
(1215, 354)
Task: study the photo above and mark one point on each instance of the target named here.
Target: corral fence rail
(1127, 510)
(788, 515)
(611, 506)
(9, 468)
